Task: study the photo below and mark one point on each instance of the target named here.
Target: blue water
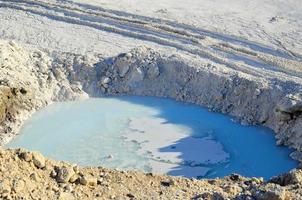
(93, 132)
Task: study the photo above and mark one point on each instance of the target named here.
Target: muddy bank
(31, 79)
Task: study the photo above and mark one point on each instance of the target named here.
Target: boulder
(64, 174)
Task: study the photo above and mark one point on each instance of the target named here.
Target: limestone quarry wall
(34, 79)
(273, 103)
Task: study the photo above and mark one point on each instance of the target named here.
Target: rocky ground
(28, 175)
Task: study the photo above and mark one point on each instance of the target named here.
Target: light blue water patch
(155, 135)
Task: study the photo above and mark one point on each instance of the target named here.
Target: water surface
(155, 135)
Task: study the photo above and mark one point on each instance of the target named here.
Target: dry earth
(28, 175)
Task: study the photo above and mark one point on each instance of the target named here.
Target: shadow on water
(252, 149)
(210, 144)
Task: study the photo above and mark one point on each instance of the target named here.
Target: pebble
(27, 156)
(74, 178)
(68, 188)
(38, 160)
(167, 183)
(53, 173)
(106, 80)
(76, 169)
(34, 176)
(55, 188)
(88, 180)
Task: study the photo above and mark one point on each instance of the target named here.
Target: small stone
(88, 180)
(167, 183)
(234, 177)
(38, 160)
(64, 174)
(74, 178)
(68, 188)
(34, 176)
(106, 80)
(53, 173)
(55, 188)
(76, 169)
(27, 156)
(128, 55)
(131, 196)
(23, 91)
(100, 181)
(12, 43)
(273, 19)
(62, 185)
(256, 180)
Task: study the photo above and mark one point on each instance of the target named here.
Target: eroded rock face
(38, 80)
(29, 80)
